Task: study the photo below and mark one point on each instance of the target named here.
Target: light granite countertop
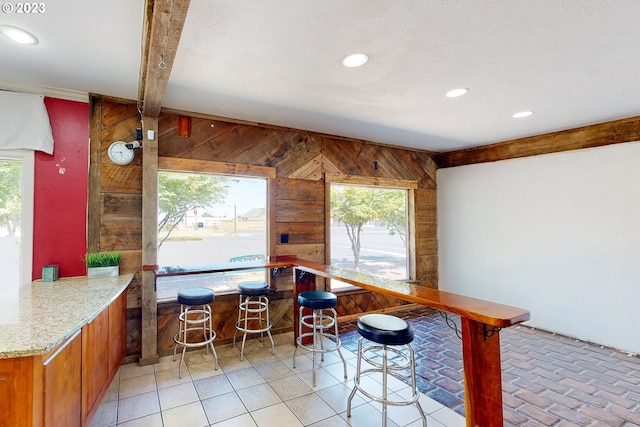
(38, 316)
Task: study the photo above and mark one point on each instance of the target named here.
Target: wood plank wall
(296, 204)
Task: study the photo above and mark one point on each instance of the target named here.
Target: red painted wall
(60, 193)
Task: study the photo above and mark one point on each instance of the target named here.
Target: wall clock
(120, 154)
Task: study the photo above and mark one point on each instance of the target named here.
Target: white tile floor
(263, 390)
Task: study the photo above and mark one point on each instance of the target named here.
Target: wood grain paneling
(120, 179)
(117, 206)
(305, 251)
(352, 304)
(116, 113)
(297, 161)
(615, 132)
(202, 132)
(293, 189)
(301, 233)
(224, 168)
(299, 211)
(120, 235)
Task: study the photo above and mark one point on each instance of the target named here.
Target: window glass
(369, 231)
(208, 219)
(16, 226)
(10, 219)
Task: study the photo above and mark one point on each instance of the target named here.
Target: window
(206, 219)
(370, 228)
(16, 217)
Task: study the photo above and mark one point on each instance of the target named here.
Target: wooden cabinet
(65, 386)
(104, 344)
(117, 333)
(95, 350)
(42, 390)
(61, 376)
(16, 379)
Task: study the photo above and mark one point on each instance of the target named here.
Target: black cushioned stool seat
(385, 334)
(196, 296)
(195, 316)
(317, 299)
(384, 329)
(253, 313)
(323, 318)
(253, 289)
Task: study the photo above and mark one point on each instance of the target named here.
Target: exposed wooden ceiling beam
(163, 24)
(614, 132)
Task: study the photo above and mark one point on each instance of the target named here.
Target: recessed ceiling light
(522, 114)
(454, 93)
(18, 35)
(355, 60)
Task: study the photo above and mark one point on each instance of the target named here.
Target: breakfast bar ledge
(481, 322)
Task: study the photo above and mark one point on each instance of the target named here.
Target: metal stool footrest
(395, 370)
(195, 316)
(194, 320)
(252, 310)
(323, 322)
(319, 322)
(389, 354)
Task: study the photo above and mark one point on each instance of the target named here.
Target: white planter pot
(98, 272)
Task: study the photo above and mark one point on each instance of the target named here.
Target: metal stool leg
(255, 309)
(210, 338)
(319, 321)
(414, 386)
(344, 362)
(386, 370)
(239, 318)
(356, 378)
(194, 319)
(384, 386)
(315, 342)
(299, 335)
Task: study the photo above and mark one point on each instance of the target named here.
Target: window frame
(366, 181)
(181, 165)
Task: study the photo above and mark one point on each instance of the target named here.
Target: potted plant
(103, 264)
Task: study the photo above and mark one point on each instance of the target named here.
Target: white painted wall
(556, 234)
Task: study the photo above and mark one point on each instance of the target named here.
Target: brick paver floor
(547, 379)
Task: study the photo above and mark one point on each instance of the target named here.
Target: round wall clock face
(120, 154)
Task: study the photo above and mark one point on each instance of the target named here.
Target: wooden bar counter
(61, 344)
(481, 322)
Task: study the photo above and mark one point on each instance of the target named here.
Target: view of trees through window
(369, 230)
(206, 219)
(10, 220)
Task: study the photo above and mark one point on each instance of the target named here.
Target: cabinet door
(62, 371)
(117, 332)
(95, 354)
(16, 397)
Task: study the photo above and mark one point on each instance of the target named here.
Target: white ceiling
(278, 61)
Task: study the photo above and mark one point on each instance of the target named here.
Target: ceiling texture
(278, 62)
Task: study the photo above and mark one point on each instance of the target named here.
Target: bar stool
(253, 308)
(390, 354)
(323, 318)
(195, 315)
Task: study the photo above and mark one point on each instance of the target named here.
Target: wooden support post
(304, 282)
(149, 353)
(482, 375)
